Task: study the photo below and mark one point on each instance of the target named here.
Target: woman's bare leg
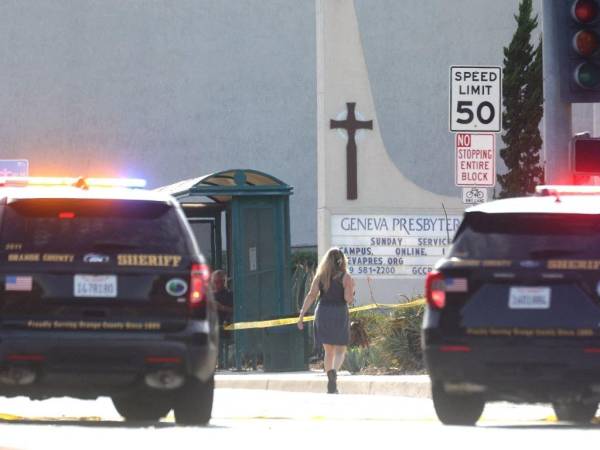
(329, 359)
(340, 354)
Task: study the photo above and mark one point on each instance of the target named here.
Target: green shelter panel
(258, 258)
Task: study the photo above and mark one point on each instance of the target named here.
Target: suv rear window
(92, 225)
(528, 236)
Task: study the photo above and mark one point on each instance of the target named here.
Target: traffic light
(579, 37)
(586, 155)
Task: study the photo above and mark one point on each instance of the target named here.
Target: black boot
(331, 382)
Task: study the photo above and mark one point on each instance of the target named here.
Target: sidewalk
(316, 381)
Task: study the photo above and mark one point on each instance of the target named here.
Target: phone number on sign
(389, 270)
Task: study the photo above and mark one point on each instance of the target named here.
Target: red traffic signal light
(584, 11)
(586, 43)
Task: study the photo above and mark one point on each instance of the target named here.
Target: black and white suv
(514, 309)
(104, 293)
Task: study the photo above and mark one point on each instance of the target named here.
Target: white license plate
(95, 286)
(529, 298)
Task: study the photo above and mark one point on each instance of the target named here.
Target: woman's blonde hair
(332, 263)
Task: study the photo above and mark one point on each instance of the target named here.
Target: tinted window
(77, 225)
(528, 236)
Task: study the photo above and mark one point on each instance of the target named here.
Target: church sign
(393, 246)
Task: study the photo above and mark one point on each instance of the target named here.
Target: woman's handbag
(358, 334)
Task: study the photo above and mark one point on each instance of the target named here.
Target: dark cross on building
(351, 125)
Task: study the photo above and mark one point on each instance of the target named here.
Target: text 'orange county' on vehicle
(513, 311)
(104, 293)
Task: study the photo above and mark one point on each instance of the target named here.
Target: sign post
(475, 114)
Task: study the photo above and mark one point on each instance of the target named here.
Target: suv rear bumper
(91, 364)
(517, 372)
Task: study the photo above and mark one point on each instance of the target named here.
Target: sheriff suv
(513, 311)
(104, 293)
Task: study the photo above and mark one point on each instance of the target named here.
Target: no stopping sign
(475, 160)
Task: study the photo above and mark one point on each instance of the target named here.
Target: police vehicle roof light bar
(553, 190)
(72, 181)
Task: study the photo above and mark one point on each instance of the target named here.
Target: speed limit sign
(475, 96)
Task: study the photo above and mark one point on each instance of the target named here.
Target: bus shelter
(241, 220)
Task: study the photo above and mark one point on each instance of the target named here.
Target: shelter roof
(222, 186)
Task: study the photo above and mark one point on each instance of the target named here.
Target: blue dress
(332, 323)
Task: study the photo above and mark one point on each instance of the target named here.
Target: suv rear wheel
(575, 411)
(193, 404)
(142, 407)
(456, 409)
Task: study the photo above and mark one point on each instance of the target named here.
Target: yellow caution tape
(417, 302)
(293, 320)
(264, 323)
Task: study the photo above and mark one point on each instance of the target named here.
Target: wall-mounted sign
(396, 246)
(475, 98)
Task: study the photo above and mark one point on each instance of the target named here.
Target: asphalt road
(269, 419)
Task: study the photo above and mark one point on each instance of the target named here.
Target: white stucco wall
(163, 90)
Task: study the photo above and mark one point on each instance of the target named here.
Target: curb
(315, 382)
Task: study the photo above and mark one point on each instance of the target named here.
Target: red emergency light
(554, 190)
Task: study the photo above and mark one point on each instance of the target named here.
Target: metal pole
(557, 113)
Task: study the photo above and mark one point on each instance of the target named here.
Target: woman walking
(335, 289)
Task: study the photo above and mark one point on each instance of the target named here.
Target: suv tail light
(200, 276)
(435, 290)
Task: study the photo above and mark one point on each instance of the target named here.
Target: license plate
(529, 298)
(95, 286)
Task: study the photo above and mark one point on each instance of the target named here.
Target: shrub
(394, 342)
(304, 258)
(403, 343)
(357, 359)
(301, 279)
